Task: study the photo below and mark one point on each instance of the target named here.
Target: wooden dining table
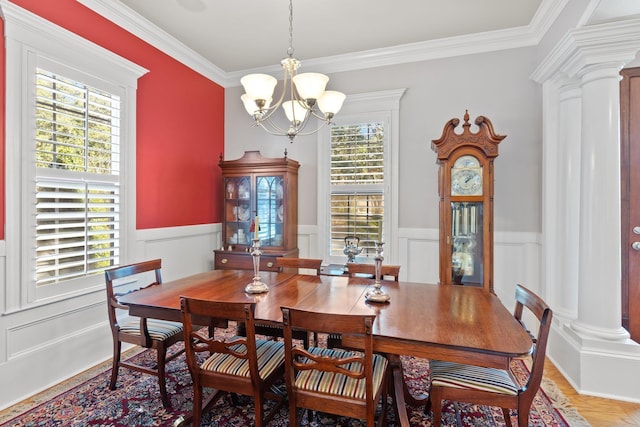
(443, 322)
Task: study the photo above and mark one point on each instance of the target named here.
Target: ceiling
(227, 39)
(247, 34)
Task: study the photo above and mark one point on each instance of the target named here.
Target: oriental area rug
(87, 401)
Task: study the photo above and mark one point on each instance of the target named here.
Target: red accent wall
(180, 123)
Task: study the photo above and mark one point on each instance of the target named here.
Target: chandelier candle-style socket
(306, 91)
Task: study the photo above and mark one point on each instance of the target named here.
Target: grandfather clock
(465, 186)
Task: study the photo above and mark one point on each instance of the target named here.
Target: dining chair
(387, 271)
(495, 387)
(294, 264)
(334, 381)
(147, 333)
(290, 265)
(242, 365)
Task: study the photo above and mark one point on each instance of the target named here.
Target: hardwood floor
(598, 411)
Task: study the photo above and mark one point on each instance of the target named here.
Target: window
(357, 165)
(77, 148)
(357, 185)
(70, 155)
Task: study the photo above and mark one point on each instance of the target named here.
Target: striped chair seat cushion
(159, 330)
(340, 384)
(270, 357)
(448, 374)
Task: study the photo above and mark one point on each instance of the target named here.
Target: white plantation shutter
(357, 185)
(77, 196)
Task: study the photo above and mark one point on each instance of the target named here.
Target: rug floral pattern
(136, 402)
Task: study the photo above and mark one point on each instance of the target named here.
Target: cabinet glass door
(270, 202)
(466, 243)
(238, 210)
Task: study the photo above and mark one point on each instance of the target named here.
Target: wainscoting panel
(44, 331)
(184, 250)
(516, 260)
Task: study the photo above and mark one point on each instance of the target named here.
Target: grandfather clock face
(466, 177)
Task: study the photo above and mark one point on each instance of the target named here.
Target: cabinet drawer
(226, 260)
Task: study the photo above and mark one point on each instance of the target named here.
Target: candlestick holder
(257, 286)
(375, 293)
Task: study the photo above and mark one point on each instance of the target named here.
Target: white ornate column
(599, 311)
(580, 78)
(569, 124)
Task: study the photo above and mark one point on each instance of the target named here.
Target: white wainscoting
(46, 344)
(516, 258)
(43, 345)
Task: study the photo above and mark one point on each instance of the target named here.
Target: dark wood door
(630, 193)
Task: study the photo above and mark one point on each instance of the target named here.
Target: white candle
(256, 228)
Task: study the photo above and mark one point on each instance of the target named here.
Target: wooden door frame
(629, 132)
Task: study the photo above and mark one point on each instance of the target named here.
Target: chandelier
(306, 92)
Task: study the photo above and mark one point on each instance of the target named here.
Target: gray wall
(495, 84)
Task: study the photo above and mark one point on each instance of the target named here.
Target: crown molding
(524, 36)
(33, 30)
(144, 29)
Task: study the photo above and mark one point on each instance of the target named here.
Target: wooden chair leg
(162, 381)
(436, 407)
(507, 416)
(523, 415)
(259, 410)
(197, 405)
(115, 365)
(293, 414)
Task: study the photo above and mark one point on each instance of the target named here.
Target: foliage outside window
(77, 194)
(357, 185)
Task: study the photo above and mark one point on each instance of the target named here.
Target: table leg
(401, 393)
(185, 420)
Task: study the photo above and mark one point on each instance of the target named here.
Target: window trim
(372, 106)
(30, 39)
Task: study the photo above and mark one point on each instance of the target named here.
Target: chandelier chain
(290, 50)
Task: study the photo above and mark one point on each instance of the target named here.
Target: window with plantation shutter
(358, 155)
(77, 179)
(357, 185)
(70, 157)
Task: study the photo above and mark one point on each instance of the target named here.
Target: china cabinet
(465, 186)
(264, 191)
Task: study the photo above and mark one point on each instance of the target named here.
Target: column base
(593, 365)
(586, 331)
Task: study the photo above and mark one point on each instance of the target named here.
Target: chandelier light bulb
(310, 85)
(294, 111)
(259, 86)
(252, 106)
(331, 102)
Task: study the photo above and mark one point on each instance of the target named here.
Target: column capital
(613, 43)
